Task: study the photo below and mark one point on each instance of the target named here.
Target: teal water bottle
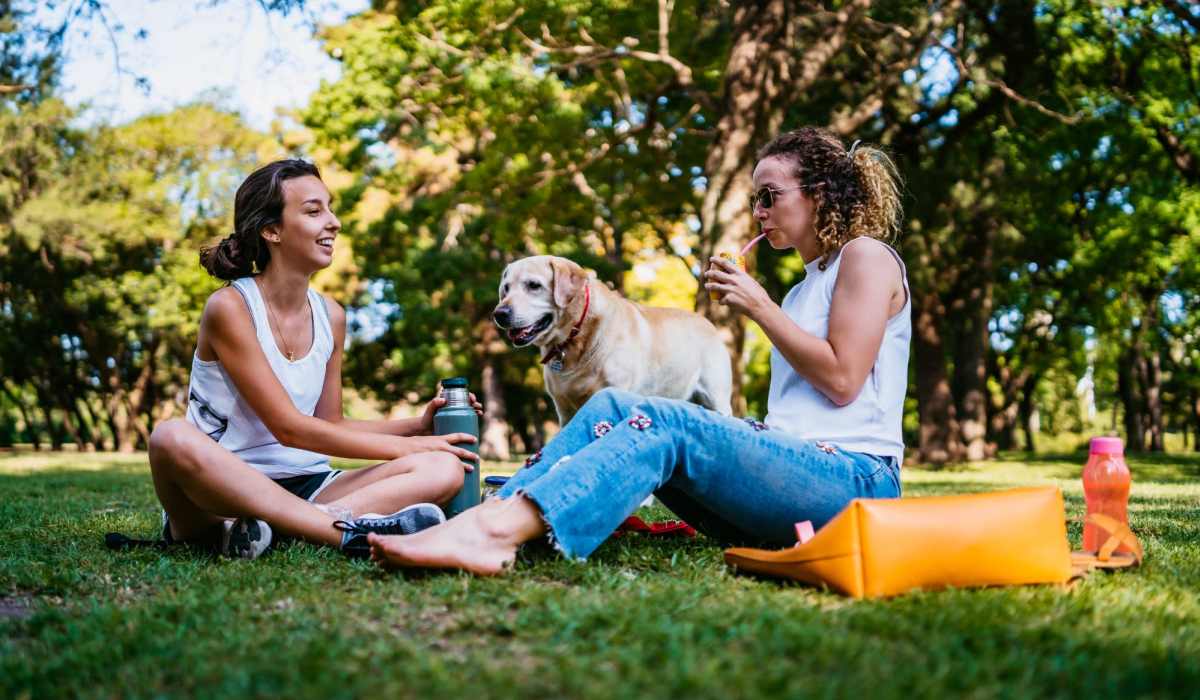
(457, 416)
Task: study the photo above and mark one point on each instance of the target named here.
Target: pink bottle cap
(1106, 446)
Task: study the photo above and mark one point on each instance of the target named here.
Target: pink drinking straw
(751, 244)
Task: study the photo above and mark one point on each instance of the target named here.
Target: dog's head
(535, 294)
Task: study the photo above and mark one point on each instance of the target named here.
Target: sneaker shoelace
(363, 526)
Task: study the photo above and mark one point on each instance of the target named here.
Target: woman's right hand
(444, 443)
(735, 288)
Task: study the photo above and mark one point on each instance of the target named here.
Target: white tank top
(216, 407)
(872, 422)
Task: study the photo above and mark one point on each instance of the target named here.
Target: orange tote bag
(885, 547)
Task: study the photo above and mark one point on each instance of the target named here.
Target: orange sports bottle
(1105, 488)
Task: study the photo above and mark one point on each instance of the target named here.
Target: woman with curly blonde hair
(839, 371)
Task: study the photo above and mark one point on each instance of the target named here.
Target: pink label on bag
(804, 532)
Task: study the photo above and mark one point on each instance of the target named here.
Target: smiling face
(534, 294)
(790, 220)
(308, 227)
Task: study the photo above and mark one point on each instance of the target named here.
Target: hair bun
(225, 260)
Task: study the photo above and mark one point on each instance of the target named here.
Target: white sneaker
(245, 538)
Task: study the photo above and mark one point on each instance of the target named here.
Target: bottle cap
(1106, 446)
(454, 383)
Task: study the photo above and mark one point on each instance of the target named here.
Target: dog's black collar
(558, 352)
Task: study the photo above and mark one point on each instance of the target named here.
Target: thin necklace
(282, 336)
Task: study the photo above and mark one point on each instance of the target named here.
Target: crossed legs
(200, 484)
(749, 483)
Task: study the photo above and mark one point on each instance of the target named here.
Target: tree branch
(1009, 92)
(812, 61)
(591, 53)
(1183, 14)
(889, 76)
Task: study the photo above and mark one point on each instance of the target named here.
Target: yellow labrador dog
(591, 337)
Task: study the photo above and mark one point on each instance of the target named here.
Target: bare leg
(199, 483)
(428, 477)
(482, 540)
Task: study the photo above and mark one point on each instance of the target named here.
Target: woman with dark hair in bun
(265, 399)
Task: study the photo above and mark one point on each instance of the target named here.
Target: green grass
(643, 618)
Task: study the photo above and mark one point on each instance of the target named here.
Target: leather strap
(560, 351)
(1118, 534)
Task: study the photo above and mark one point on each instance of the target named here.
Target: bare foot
(482, 540)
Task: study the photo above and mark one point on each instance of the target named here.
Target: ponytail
(880, 213)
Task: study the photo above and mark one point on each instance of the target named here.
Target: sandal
(1119, 535)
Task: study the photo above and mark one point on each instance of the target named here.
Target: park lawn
(643, 618)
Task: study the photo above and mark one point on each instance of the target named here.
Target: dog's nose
(502, 316)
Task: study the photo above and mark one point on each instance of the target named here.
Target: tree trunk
(46, 404)
(31, 431)
(85, 427)
(1130, 399)
(59, 400)
(71, 428)
(493, 439)
(139, 398)
(759, 60)
(495, 434)
(1004, 418)
(124, 437)
(938, 441)
(1154, 408)
(1027, 411)
(1196, 420)
(970, 367)
(56, 438)
(94, 432)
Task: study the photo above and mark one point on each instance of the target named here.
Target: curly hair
(855, 192)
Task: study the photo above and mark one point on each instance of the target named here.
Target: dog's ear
(569, 278)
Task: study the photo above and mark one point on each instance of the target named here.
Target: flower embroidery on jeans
(601, 429)
(756, 424)
(533, 458)
(826, 447)
(640, 422)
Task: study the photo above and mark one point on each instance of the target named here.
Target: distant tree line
(1050, 150)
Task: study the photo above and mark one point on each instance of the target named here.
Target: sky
(246, 59)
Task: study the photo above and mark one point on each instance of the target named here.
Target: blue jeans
(732, 479)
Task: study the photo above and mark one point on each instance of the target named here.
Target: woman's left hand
(439, 401)
(736, 288)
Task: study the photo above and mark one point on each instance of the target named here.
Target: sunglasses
(765, 196)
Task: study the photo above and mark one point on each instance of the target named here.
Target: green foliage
(1050, 152)
(484, 151)
(102, 290)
